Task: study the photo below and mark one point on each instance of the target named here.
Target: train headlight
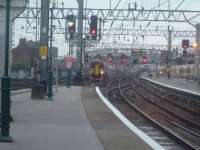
(102, 72)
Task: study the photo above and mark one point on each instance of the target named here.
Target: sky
(20, 29)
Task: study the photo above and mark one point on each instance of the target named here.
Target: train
(96, 71)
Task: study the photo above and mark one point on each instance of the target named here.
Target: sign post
(68, 62)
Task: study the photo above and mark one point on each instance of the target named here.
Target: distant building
(26, 59)
(25, 52)
(24, 56)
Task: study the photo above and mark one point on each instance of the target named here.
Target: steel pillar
(80, 39)
(44, 33)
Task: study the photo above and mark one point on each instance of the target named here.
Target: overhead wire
(169, 8)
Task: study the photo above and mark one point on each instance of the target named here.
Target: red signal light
(144, 60)
(109, 59)
(93, 27)
(93, 31)
(123, 60)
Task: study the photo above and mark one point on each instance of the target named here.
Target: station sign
(69, 61)
(43, 52)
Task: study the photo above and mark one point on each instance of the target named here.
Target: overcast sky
(187, 4)
(147, 4)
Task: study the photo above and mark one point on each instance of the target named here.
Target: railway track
(187, 102)
(164, 125)
(168, 105)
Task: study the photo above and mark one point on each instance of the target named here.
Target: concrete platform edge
(20, 91)
(153, 144)
(172, 87)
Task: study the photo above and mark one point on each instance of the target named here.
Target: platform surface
(75, 120)
(113, 133)
(51, 125)
(178, 83)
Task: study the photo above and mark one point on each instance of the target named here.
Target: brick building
(23, 57)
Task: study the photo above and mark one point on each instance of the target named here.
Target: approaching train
(96, 71)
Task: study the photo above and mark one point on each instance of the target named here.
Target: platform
(113, 133)
(51, 125)
(180, 84)
(75, 120)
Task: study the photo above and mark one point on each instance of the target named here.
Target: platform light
(194, 45)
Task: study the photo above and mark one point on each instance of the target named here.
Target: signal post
(80, 39)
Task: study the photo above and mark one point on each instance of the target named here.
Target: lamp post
(50, 73)
(6, 84)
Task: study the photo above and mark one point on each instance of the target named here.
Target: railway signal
(71, 26)
(123, 59)
(185, 44)
(93, 27)
(144, 60)
(110, 59)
